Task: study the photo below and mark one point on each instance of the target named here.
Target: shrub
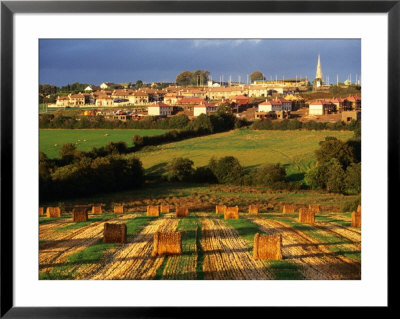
(353, 177)
(90, 176)
(204, 174)
(351, 206)
(334, 148)
(202, 122)
(227, 170)
(179, 121)
(116, 148)
(335, 177)
(269, 174)
(180, 169)
(316, 177)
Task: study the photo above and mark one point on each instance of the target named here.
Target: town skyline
(64, 61)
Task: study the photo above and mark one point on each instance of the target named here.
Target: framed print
(192, 156)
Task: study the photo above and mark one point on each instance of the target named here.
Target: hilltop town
(261, 99)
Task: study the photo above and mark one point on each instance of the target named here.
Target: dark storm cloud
(95, 61)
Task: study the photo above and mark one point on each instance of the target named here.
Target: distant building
(106, 85)
(204, 108)
(76, 99)
(318, 75)
(339, 103)
(348, 116)
(172, 98)
(269, 106)
(62, 101)
(139, 98)
(276, 105)
(159, 109)
(104, 100)
(320, 107)
(241, 100)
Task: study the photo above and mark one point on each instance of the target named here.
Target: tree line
(294, 124)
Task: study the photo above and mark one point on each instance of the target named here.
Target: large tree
(192, 78)
(256, 75)
(184, 78)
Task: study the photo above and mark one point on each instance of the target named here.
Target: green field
(294, 149)
(51, 140)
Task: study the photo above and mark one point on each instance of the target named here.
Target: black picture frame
(9, 8)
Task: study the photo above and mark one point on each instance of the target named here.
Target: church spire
(318, 75)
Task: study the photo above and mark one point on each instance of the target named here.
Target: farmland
(212, 247)
(51, 140)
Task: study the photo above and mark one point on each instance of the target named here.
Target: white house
(159, 109)
(268, 106)
(106, 85)
(204, 108)
(319, 107)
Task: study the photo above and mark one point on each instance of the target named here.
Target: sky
(94, 61)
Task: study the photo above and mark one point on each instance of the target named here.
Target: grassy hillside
(51, 140)
(294, 149)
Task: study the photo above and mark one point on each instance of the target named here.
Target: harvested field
(211, 248)
(134, 260)
(57, 246)
(187, 266)
(347, 232)
(316, 261)
(226, 255)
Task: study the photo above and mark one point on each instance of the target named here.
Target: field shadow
(297, 177)
(156, 170)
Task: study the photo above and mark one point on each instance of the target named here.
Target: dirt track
(133, 260)
(226, 255)
(315, 260)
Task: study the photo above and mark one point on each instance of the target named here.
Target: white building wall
(316, 110)
(264, 108)
(153, 110)
(199, 110)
